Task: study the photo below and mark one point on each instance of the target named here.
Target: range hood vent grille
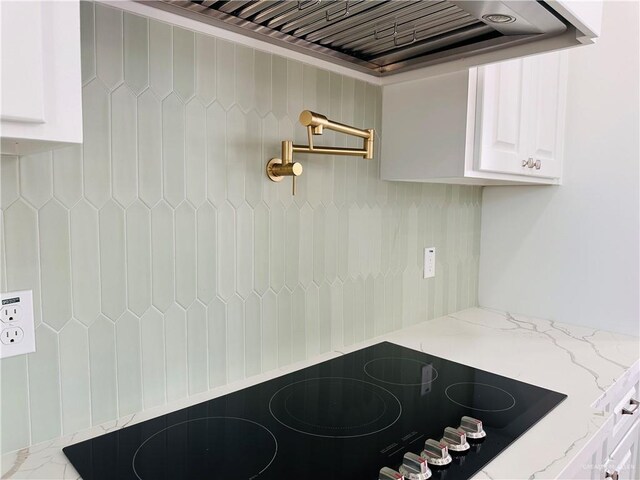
(377, 36)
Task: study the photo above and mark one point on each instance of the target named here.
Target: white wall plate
(17, 334)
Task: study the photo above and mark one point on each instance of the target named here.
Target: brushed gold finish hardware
(277, 168)
(309, 118)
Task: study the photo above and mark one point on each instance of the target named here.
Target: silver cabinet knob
(455, 439)
(612, 475)
(537, 164)
(387, 473)
(436, 453)
(528, 162)
(472, 427)
(414, 467)
(631, 408)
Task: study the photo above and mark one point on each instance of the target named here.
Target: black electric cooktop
(345, 418)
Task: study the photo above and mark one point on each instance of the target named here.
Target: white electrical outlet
(429, 262)
(12, 335)
(17, 334)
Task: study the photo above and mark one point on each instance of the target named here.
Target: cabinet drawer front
(625, 414)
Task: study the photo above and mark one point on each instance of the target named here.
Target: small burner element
(206, 447)
(401, 371)
(335, 407)
(480, 397)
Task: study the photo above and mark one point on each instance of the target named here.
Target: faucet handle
(296, 171)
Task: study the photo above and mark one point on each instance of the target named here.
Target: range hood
(382, 37)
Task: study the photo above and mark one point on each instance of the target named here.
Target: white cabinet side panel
(424, 127)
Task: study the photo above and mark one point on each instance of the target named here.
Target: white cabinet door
(502, 117)
(520, 124)
(546, 125)
(22, 62)
(497, 124)
(41, 86)
(623, 462)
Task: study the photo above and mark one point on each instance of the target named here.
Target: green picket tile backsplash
(164, 262)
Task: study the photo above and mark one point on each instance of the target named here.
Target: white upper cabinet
(41, 93)
(504, 124)
(520, 116)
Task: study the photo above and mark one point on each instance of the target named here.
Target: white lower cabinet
(622, 464)
(614, 451)
(496, 124)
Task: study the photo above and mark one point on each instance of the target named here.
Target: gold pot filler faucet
(278, 168)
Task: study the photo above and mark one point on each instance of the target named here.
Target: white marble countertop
(578, 361)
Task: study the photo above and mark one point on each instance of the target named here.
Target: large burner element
(206, 447)
(335, 407)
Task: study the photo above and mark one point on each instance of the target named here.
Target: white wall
(570, 253)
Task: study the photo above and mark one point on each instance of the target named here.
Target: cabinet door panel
(624, 459)
(502, 117)
(22, 56)
(548, 73)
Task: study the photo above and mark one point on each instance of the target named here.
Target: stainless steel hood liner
(377, 36)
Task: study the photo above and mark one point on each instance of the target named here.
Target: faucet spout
(278, 168)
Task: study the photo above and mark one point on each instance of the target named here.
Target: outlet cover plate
(17, 315)
(429, 262)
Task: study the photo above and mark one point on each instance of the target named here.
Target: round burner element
(480, 397)
(401, 371)
(209, 447)
(335, 407)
